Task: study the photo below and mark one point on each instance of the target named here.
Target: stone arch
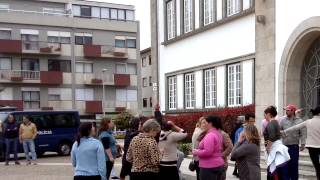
(293, 56)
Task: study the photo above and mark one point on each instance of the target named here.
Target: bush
(228, 116)
(122, 120)
(185, 148)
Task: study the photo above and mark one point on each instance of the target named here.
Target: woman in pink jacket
(211, 162)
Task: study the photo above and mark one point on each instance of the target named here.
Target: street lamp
(103, 93)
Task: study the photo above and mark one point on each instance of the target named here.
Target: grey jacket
(293, 137)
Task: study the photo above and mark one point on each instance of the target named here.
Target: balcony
(91, 79)
(122, 79)
(93, 107)
(51, 77)
(103, 51)
(42, 48)
(19, 76)
(15, 103)
(8, 46)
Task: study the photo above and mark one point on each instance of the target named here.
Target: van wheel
(64, 149)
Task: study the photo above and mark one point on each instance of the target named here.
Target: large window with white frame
(188, 15)
(172, 87)
(234, 85)
(5, 63)
(208, 11)
(210, 88)
(84, 94)
(171, 20)
(233, 7)
(189, 92)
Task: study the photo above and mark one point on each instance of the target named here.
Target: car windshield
(3, 117)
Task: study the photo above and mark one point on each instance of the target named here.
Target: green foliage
(122, 120)
(185, 148)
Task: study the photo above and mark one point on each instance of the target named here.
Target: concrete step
(303, 174)
(303, 165)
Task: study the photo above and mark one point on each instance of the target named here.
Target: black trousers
(211, 173)
(314, 156)
(109, 166)
(144, 176)
(87, 178)
(169, 172)
(197, 169)
(125, 169)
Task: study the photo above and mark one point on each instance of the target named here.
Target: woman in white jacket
(313, 137)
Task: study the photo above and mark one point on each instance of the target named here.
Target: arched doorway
(299, 71)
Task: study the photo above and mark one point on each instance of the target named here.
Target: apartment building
(61, 54)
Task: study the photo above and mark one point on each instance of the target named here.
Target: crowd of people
(150, 148)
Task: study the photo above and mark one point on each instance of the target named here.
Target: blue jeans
(28, 146)
(294, 162)
(11, 142)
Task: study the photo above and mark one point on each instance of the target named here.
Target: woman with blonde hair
(247, 154)
(195, 143)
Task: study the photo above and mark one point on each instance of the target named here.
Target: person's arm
(35, 131)
(240, 150)
(178, 136)
(303, 137)
(154, 152)
(106, 144)
(20, 133)
(207, 149)
(227, 144)
(296, 127)
(73, 155)
(101, 162)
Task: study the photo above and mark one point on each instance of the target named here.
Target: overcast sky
(143, 15)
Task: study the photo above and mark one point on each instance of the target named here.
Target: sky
(143, 15)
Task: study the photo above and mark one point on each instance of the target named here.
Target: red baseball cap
(291, 107)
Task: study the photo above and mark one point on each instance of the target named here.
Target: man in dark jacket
(11, 138)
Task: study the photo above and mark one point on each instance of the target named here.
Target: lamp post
(103, 93)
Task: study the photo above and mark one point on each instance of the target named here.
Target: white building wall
(296, 11)
(221, 86)
(180, 91)
(247, 85)
(199, 89)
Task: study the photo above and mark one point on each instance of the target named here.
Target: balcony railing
(41, 47)
(35, 12)
(19, 75)
(104, 51)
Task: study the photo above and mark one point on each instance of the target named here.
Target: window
(150, 60)
(59, 37)
(150, 80)
(59, 94)
(120, 43)
(105, 14)
(76, 10)
(233, 7)
(123, 95)
(145, 102)
(121, 14)
(96, 12)
(83, 38)
(144, 63)
(63, 120)
(84, 67)
(84, 94)
(150, 101)
(54, 97)
(5, 63)
(121, 68)
(234, 89)
(30, 64)
(114, 13)
(59, 65)
(31, 99)
(144, 82)
(208, 11)
(54, 11)
(5, 34)
(171, 20)
(85, 11)
(131, 43)
(210, 88)
(129, 15)
(172, 87)
(30, 41)
(187, 14)
(132, 95)
(189, 91)
(131, 68)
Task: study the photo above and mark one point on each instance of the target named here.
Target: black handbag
(192, 165)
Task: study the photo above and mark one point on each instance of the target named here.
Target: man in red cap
(293, 139)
